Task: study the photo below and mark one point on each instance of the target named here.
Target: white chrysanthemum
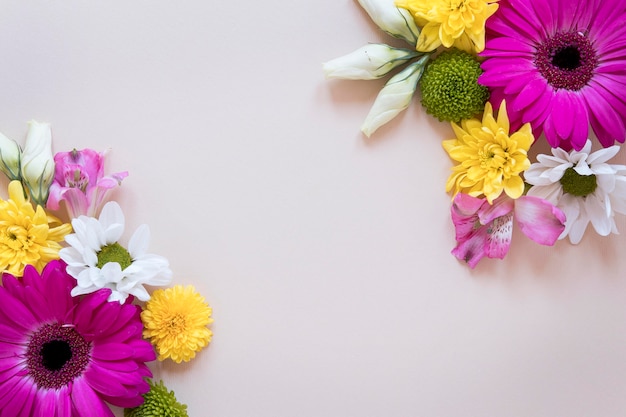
(583, 185)
(97, 260)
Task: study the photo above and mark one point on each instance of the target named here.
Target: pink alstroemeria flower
(484, 229)
(79, 180)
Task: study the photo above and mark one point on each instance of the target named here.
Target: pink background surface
(325, 255)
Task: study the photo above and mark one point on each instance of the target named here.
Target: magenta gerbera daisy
(561, 66)
(64, 356)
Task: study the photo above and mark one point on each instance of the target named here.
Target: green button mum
(159, 402)
(449, 87)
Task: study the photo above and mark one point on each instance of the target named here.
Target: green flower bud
(449, 87)
(10, 156)
(393, 20)
(394, 97)
(368, 62)
(38, 162)
(158, 402)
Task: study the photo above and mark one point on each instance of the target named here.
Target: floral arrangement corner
(79, 323)
(555, 71)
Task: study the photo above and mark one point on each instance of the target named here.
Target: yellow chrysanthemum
(28, 236)
(175, 320)
(458, 23)
(490, 161)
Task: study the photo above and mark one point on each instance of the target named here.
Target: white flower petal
(602, 155)
(606, 183)
(553, 161)
(111, 272)
(551, 193)
(596, 210)
(618, 197)
(140, 292)
(139, 241)
(577, 229)
(112, 221)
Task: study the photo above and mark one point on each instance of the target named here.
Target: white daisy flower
(583, 185)
(97, 260)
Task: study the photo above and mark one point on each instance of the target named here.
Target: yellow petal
(429, 38)
(514, 187)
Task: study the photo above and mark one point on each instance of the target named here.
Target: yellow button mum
(28, 236)
(458, 23)
(490, 161)
(175, 320)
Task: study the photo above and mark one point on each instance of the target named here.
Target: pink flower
(79, 180)
(68, 356)
(561, 66)
(483, 229)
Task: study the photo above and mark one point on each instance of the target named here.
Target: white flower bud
(10, 155)
(368, 62)
(395, 96)
(395, 21)
(38, 162)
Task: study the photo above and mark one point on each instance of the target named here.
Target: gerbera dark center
(56, 355)
(578, 185)
(114, 253)
(566, 60)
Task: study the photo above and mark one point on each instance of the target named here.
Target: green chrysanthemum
(158, 402)
(449, 87)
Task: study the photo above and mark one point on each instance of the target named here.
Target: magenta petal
(533, 91)
(112, 383)
(495, 78)
(46, 403)
(22, 395)
(143, 350)
(21, 317)
(538, 112)
(63, 402)
(9, 351)
(562, 114)
(88, 307)
(506, 65)
(84, 398)
(606, 123)
(549, 131)
(516, 16)
(130, 402)
(539, 220)
(517, 84)
(545, 13)
(112, 351)
(580, 129)
(509, 45)
(123, 366)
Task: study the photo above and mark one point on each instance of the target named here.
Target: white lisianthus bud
(10, 154)
(395, 21)
(38, 162)
(395, 96)
(368, 62)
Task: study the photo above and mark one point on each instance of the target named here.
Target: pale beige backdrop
(324, 254)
